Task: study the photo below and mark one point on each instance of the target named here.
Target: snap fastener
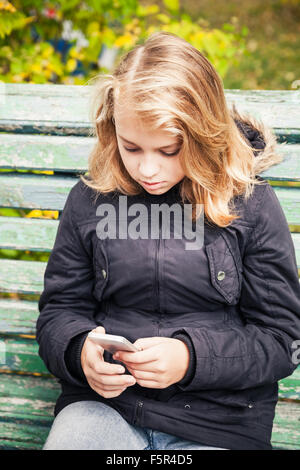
(104, 273)
(220, 275)
(187, 406)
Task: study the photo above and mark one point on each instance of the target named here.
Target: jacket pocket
(223, 401)
(225, 269)
(101, 269)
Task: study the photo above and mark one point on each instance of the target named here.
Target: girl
(215, 320)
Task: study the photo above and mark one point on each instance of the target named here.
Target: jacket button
(250, 405)
(221, 275)
(187, 406)
(104, 273)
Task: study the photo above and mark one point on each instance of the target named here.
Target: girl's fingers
(143, 375)
(117, 381)
(106, 388)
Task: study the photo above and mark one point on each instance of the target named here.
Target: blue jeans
(92, 425)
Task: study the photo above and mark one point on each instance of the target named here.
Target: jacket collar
(261, 138)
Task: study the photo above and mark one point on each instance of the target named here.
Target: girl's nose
(149, 167)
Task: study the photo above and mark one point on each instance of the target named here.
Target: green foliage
(30, 29)
(11, 20)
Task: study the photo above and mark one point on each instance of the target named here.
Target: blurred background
(252, 44)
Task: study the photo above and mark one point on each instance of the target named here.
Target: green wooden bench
(46, 127)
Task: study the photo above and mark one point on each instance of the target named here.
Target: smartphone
(112, 343)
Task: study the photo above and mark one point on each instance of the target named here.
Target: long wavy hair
(170, 85)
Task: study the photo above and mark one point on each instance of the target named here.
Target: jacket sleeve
(260, 350)
(67, 305)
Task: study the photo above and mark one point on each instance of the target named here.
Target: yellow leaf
(36, 68)
(123, 41)
(74, 53)
(47, 52)
(47, 73)
(50, 214)
(71, 65)
(46, 172)
(163, 18)
(5, 5)
(34, 213)
(172, 4)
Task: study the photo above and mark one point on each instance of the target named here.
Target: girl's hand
(161, 363)
(103, 377)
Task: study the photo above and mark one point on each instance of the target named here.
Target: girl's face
(149, 155)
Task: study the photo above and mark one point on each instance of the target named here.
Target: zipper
(157, 271)
(138, 413)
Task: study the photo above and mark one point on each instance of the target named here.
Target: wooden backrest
(46, 128)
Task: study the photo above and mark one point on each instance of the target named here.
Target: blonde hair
(171, 85)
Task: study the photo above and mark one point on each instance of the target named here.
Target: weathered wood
(18, 317)
(65, 110)
(21, 354)
(289, 388)
(289, 168)
(289, 199)
(43, 152)
(41, 110)
(18, 435)
(50, 192)
(26, 410)
(35, 191)
(24, 277)
(286, 429)
(27, 401)
(270, 106)
(25, 422)
(22, 233)
(60, 153)
(14, 386)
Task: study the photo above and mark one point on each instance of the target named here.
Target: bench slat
(50, 193)
(286, 432)
(18, 317)
(46, 109)
(26, 277)
(21, 354)
(43, 152)
(26, 425)
(35, 110)
(289, 387)
(35, 191)
(60, 153)
(26, 410)
(28, 387)
(289, 168)
(22, 233)
(18, 433)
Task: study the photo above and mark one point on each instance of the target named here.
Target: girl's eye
(164, 153)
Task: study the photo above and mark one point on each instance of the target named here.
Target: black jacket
(235, 303)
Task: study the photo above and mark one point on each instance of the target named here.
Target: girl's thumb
(99, 329)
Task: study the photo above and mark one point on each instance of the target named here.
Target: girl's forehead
(131, 125)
